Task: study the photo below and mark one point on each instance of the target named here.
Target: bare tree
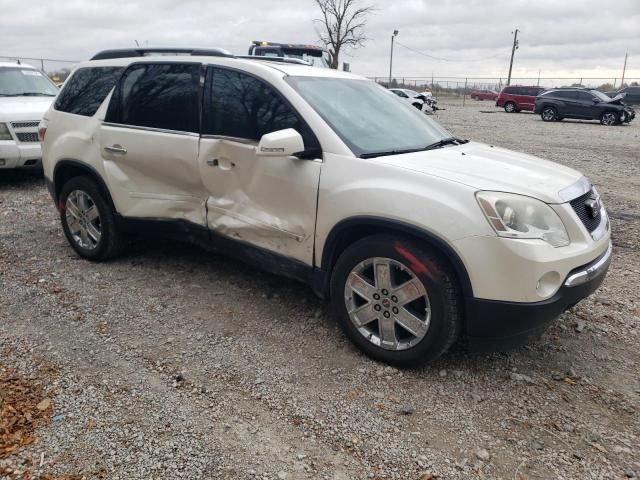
(341, 26)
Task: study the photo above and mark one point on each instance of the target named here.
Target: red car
(483, 95)
(518, 98)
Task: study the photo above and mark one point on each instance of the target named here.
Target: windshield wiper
(390, 152)
(446, 141)
(33, 94)
(438, 144)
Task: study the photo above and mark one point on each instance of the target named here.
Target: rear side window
(87, 88)
(509, 90)
(161, 96)
(242, 106)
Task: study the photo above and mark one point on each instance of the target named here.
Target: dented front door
(269, 202)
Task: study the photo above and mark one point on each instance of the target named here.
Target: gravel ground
(175, 363)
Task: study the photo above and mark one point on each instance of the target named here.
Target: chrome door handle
(116, 149)
(213, 162)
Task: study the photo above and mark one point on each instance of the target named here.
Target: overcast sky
(562, 38)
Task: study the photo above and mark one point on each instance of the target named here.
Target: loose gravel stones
(171, 362)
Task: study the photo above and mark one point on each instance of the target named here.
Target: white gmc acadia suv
(416, 237)
(25, 94)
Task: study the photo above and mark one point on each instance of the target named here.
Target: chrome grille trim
(27, 137)
(26, 124)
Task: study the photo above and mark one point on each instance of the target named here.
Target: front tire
(398, 302)
(549, 114)
(88, 220)
(609, 118)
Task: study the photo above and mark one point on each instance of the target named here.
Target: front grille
(579, 206)
(28, 124)
(27, 137)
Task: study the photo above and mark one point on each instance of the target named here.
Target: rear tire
(88, 220)
(409, 315)
(510, 107)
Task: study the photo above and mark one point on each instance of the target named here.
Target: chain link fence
(462, 86)
(58, 70)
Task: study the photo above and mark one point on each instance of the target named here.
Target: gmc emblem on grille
(593, 206)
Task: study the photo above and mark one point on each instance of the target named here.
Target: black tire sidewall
(555, 114)
(107, 219)
(445, 322)
(617, 115)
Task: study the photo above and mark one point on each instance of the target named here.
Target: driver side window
(241, 106)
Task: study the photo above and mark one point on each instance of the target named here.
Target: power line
(447, 59)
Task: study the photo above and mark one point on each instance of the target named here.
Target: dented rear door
(149, 143)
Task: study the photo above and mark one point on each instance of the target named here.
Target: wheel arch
(353, 229)
(69, 168)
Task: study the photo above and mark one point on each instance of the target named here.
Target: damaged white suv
(417, 238)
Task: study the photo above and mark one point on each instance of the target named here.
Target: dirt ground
(171, 362)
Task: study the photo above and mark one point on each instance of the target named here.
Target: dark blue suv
(582, 103)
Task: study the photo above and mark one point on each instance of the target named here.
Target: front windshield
(601, 96)
(367, 117)
(16, 81)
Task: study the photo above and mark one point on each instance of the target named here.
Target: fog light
(548, 284)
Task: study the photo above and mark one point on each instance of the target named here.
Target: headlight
(517, 216)
(4, 132)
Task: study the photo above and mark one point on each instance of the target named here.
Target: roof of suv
(265, 63)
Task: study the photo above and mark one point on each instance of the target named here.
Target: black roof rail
(194, 52)
(147, 51)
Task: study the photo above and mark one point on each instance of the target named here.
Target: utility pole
(513, 51)
(624, 70)
(395, 33)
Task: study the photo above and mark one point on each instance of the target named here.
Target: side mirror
(283, 143)
(596, 100)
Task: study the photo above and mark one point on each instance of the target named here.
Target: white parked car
(25, 94)
(409, 96)
(416, 238)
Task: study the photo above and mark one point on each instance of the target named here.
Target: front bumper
(494, 325)
(629, 115)
(18, 155)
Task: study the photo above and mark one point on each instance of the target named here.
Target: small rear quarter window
(87, 88)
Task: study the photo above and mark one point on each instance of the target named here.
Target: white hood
(491, 168)
(23, 108)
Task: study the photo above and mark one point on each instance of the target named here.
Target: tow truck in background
(312, 54)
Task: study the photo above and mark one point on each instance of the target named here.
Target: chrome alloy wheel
(510, 107)
(609, 118)
(83, 219)
(387, 303)
(548, 114)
